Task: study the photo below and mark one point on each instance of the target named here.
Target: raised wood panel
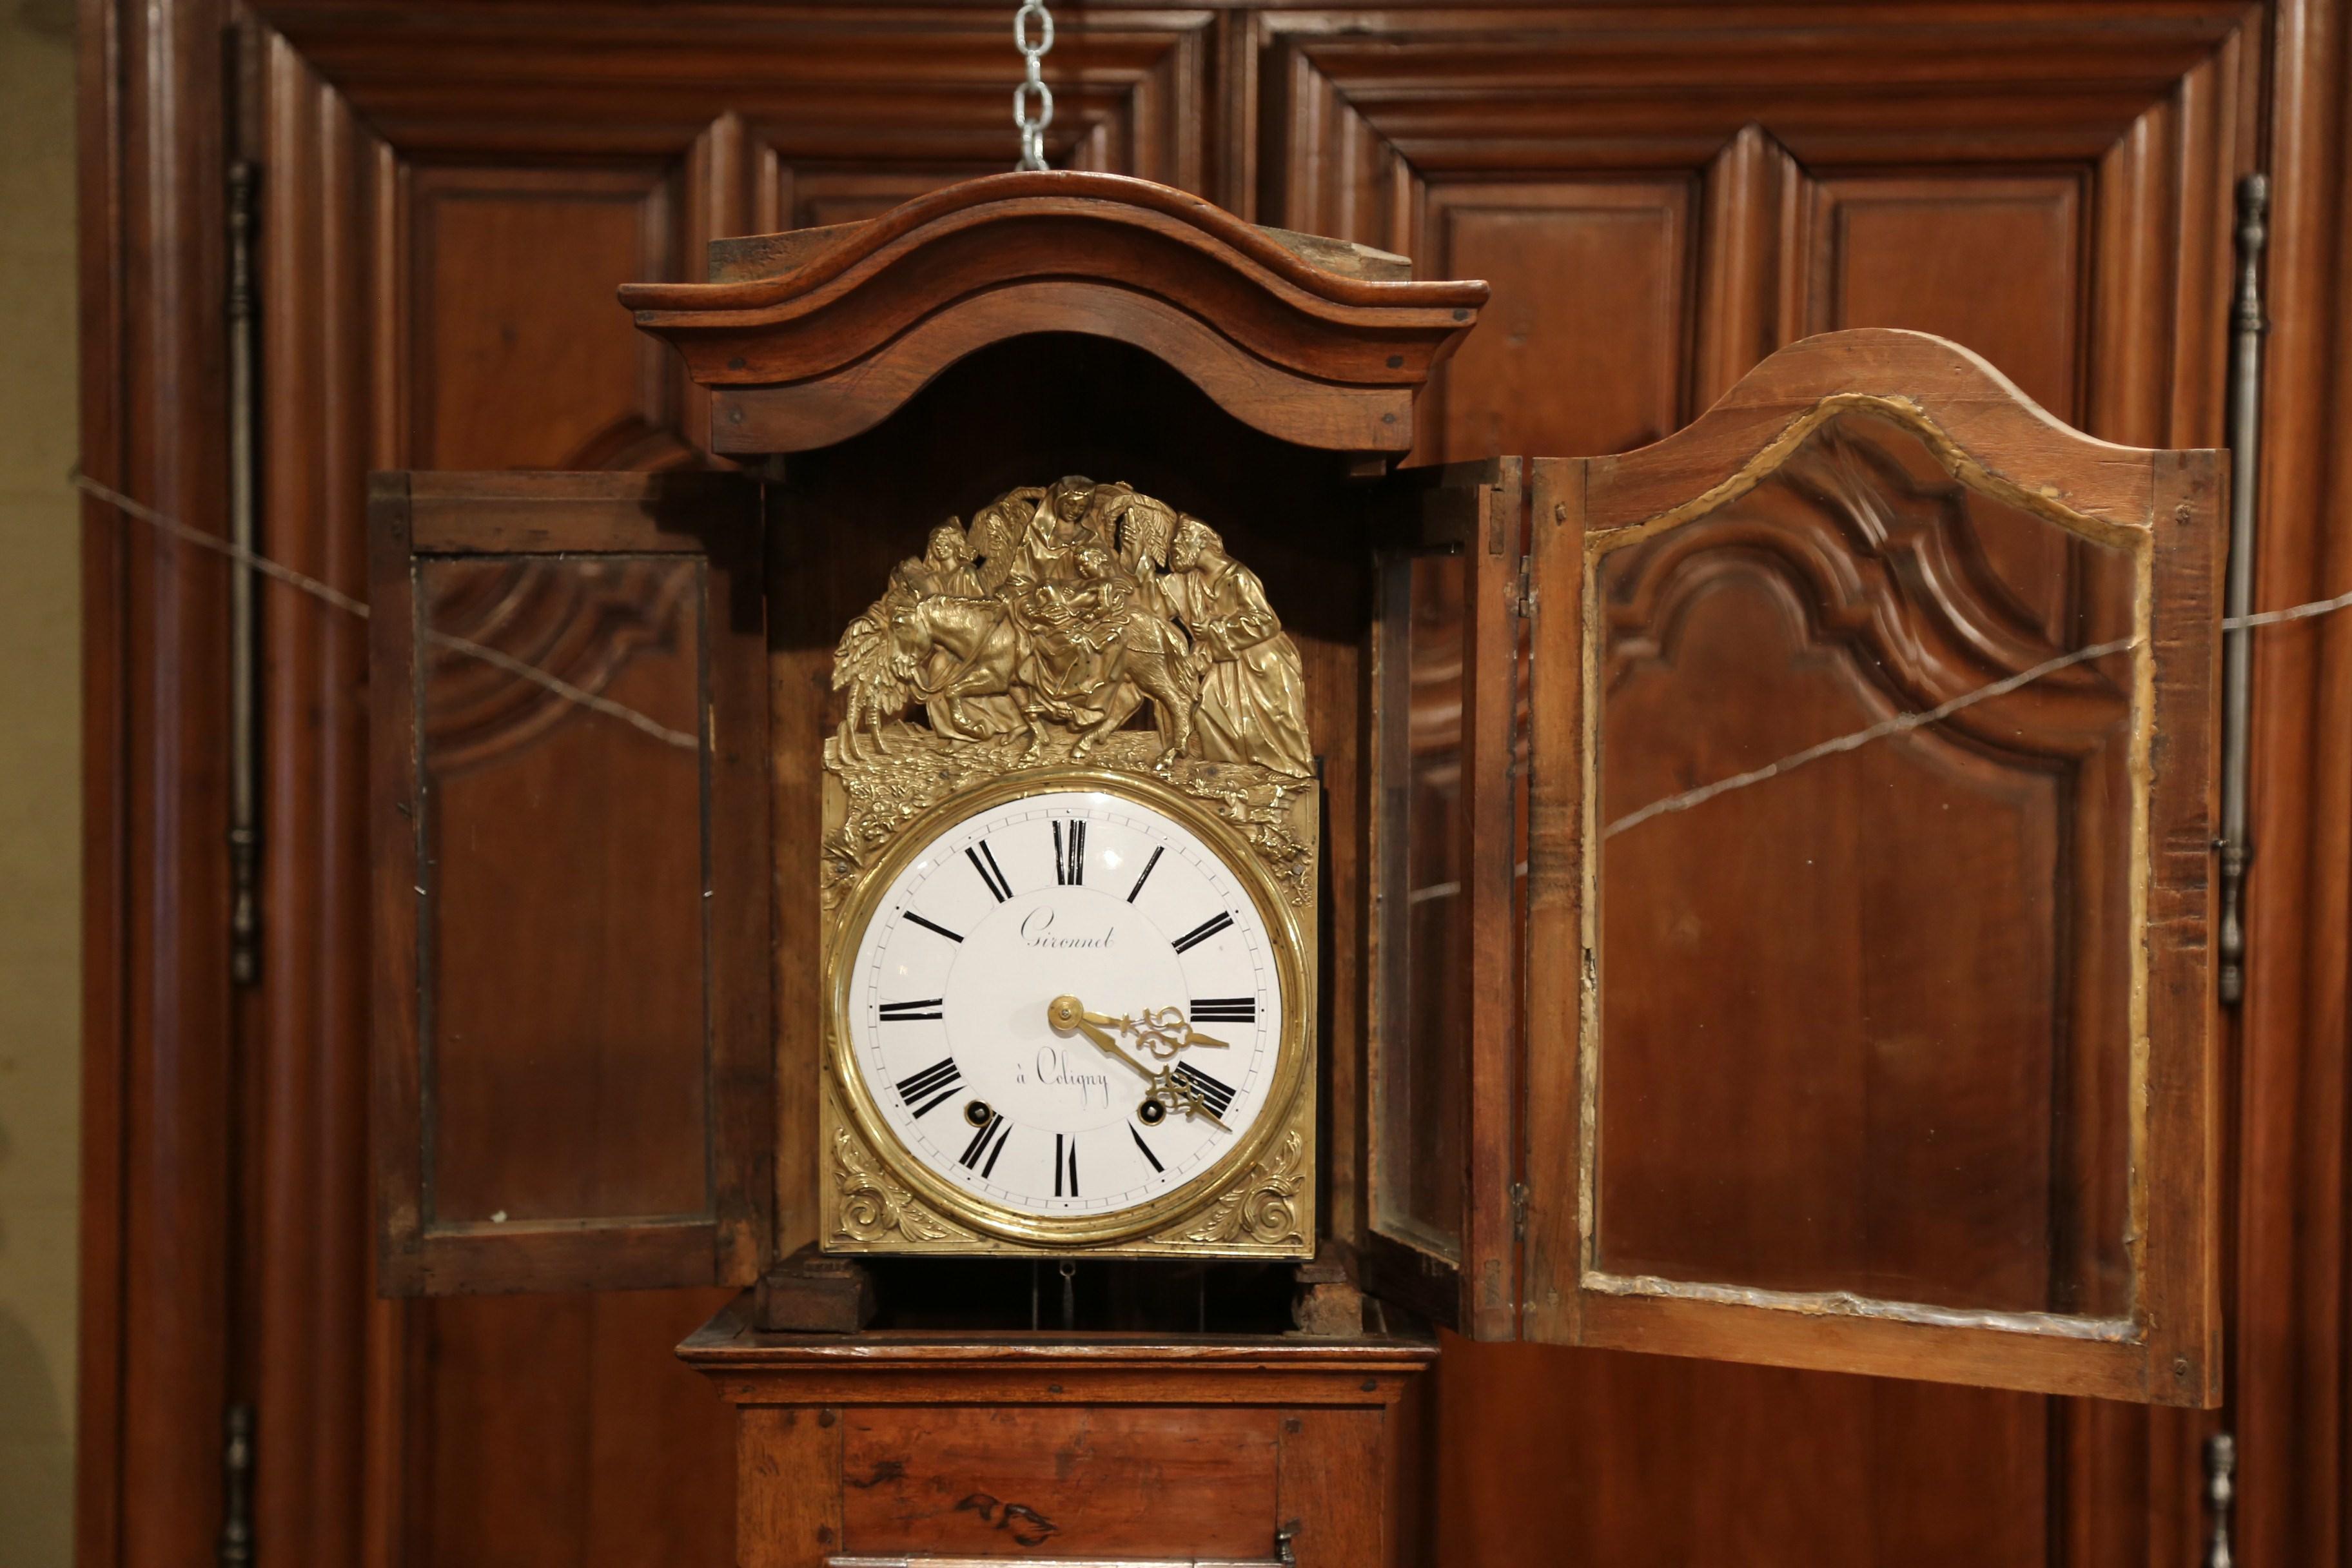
(1996, 262)
(490, 327)
(1583, 346)
(561, 1433)
(867, 88)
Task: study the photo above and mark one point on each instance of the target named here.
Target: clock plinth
(890, 1448)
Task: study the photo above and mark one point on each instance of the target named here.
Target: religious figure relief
(1253, 701)
(1056, 616)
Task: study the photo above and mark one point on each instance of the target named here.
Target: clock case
(649, 1117)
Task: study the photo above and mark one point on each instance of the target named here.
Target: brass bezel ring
(1295, 1049)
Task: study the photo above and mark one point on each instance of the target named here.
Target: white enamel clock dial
(1170, 981)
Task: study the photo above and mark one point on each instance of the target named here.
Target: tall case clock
(1052, 781)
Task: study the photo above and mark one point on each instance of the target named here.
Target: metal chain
(1033, 92)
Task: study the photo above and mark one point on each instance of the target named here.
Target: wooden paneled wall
(1660, 195)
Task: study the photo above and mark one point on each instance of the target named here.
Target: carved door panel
(1869, 1020)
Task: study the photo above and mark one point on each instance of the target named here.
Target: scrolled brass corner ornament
(1073, 761)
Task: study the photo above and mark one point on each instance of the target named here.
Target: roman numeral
(1065, 1165)
(984, 862)
(1203, 932)
(935, 1086)
(1070, 854)
(1225, 1010)
(986, 1144)
(1147, 1154)
(1212, 1092)
(933, 926)
(1146, 877)
(910, 1012)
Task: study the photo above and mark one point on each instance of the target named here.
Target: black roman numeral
(933, 926)
(1212, 1092)
(910, 1012)
(1070, 854)
(986, 1144)
(1147, 1154)
(983, 861)
(1203, 932)
(1065, 1165)
(1146, 877)
(934, 1086)
(1224, 1009)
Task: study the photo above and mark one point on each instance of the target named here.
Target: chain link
(1032, 101)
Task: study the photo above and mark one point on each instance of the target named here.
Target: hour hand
(1067, 1014)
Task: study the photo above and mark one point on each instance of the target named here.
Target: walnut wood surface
(837, 338)
(2167, 501)
(1658, 195)
(1090, 1448)
(584, 1137)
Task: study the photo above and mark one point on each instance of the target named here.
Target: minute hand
(1163, 1031)
(1067, 1014)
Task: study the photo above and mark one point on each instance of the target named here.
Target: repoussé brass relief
(1074, 635)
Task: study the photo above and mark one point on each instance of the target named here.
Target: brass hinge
(1523, 592)
(1519, 1211)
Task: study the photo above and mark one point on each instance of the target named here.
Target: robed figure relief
(1058, 615)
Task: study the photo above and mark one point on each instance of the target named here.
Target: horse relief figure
(1048, 615)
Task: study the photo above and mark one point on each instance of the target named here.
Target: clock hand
(1067, 1014)
(1163, 1031)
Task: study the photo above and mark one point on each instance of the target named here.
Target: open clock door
(1441, 1199)
(572, 1059)
(1869, 1021)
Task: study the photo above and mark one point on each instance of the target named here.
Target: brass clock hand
(1163, 1031)
(1067, 1014)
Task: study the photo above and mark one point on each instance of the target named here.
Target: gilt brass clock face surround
(957, 1092)
(1018, 657)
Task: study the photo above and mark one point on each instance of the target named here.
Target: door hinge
(1523, 592)
(244, 606)
(235, 1549)
(1519, 1211)
(2220, 1493)
(2248, 324)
